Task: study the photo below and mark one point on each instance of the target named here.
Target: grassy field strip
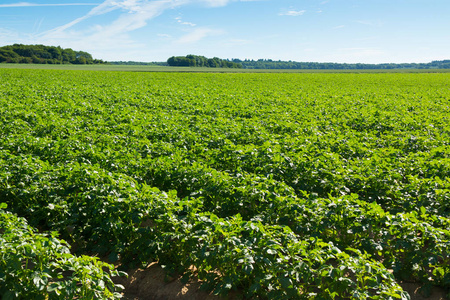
(157, 68)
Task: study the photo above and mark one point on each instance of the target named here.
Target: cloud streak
(130, 15)
(180, 21)
(293, 13)
(136, 13)
(28, 4)
(197, 34)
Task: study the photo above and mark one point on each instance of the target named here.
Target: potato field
(277, 186)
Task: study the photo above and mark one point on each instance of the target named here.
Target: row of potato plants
(114, 215)
(39, 266)
(351, 166)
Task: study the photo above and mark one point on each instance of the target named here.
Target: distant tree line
(272, 64)
(131, 63)
(40, 54)
(201, 61)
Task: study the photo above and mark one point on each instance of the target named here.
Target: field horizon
(156, 68)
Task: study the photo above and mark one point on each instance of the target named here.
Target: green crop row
(101, 212)
(40, 266)
(114, 215)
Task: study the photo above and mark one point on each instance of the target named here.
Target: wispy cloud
(339, 27)
(216, 3)
(103, 8)
(179, 20)
(6, 33)
(37, 25)
(138, 12)
(107, 39)
(28, 4)
(293, 13)
(198, 34)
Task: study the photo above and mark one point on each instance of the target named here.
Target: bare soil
(150, 284)
(413, 290)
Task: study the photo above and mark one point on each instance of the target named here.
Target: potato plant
(39, 266)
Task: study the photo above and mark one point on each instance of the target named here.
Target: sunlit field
(277, 186)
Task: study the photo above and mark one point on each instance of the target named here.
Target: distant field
(277, 186)
(137, 68)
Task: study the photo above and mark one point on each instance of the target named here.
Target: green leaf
(423, 210)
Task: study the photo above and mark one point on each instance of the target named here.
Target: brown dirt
(149, 284)
(413, 291)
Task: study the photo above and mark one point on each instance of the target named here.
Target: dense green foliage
(201, 61)
(273, 64)
(279, 185)
(40, 54)
(39, 266)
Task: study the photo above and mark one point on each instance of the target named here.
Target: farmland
(159, 68)
(280, 186)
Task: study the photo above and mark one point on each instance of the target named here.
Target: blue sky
(368, 31)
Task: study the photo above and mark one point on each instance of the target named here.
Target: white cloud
(128, 5)
(37, 25)
(101, 9)
(293, 13)
(216, 3)
(7, 36)
(106, 40)
(179, 20)
(138, 12)
(28, 4)
(198, 34)
(188, 23)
